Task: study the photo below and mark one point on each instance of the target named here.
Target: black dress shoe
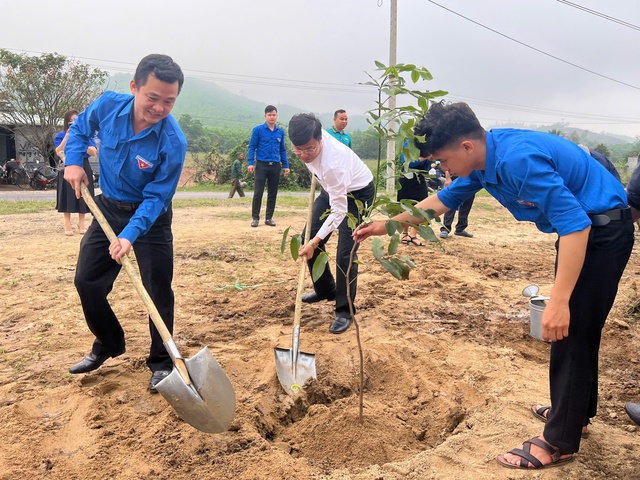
(156, 378)
(254, 222)
(341, 324)
(633, 410)
(270, 222)
(313, 297)
(92, 362)
(464, 233)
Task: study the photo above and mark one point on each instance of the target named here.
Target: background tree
(36, 91)
(603, 149)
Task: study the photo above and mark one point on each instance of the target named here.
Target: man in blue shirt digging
(266, 151)
(548, 180)
(142, 150)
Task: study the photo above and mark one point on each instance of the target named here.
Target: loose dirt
(450, 369)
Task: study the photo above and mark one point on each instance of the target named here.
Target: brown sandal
(527, 459)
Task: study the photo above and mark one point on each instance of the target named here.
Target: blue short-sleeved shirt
(542, 178)
(144, 168)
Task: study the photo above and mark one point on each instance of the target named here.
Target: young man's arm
(571, 253)
(378, 228)
(283, 156)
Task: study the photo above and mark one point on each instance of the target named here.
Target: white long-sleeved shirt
(340, 171)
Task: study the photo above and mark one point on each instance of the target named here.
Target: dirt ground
(449, 365)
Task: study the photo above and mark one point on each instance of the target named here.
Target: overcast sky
(311, 54)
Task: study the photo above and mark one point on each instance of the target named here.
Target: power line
(601, 15)
(127, 67)
(534, 48)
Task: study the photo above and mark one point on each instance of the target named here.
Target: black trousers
(96, 272)
(326, 284)
(573, 370)
(266, 173)
(463, 217)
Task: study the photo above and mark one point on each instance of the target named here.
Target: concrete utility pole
(391, 128)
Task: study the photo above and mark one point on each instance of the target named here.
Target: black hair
(339, 111)
(445, 124)
(162, 66)
(67, 118)
(270, 108)
(304, 127)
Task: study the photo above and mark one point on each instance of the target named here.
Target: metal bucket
(536, 307)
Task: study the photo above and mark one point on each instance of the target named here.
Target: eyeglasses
(305, 151)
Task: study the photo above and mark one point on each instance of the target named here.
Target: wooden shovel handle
(303, 267)
(135, 278)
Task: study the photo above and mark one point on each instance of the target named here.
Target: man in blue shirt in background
(340, 121)
(551, 181)
(266, 151)
(142, 150)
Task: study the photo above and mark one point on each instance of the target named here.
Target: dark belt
(124, 206)
(602, 219)
(268, 163)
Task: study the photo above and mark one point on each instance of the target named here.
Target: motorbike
(41, 180)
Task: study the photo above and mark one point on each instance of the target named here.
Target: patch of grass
(284, 201)
(205, 187)
(30, 206)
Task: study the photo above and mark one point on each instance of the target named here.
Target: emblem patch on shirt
(142, 163)
(524, 202)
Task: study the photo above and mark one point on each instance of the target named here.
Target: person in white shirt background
(344, 177)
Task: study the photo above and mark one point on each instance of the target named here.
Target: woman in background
(67, 202)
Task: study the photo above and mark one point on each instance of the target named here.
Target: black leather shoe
(463, 233)
(633, 410)
(92, 362)
(156, 378)
(254, 222)
(270, 222)
(313, 297)
(341, 324)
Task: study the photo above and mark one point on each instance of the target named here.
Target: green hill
(217, 107)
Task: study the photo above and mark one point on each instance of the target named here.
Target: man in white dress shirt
(344, 178)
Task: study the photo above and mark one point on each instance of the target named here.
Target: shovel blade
(292, 375)
(209, 403)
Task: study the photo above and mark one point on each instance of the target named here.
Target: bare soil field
(450, 367)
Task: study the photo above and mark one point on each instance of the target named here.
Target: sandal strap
(554, 452)
(526, 457)
(542, 410)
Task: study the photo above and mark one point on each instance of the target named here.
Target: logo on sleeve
(524, 202)
(142, 163)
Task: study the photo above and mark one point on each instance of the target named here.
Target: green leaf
(283, 244)
(392, 226)
(393, 244)
(377, 247)
(402, 267)
(408, 261)
(392, 268)
(294, 245)
(380, 65)
(352, 222)
(319, 265)
(426, 232)
(415, 76)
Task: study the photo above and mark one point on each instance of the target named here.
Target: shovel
(293, 367)
(197, 388)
